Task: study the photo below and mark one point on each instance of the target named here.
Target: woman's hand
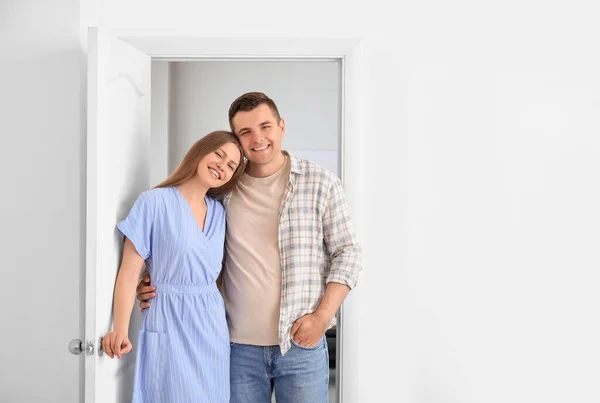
(116, 343)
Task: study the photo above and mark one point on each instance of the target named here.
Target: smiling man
(291, 258)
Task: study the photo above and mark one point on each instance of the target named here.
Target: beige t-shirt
(252, 276)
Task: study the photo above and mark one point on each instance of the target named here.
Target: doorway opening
(190, 98)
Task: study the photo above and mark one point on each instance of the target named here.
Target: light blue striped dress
(183, 344)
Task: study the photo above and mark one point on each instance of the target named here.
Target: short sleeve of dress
(139, 223)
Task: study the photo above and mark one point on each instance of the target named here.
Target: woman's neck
(192, 190)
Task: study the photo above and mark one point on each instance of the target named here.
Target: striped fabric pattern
(183, 345)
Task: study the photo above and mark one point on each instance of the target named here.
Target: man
(291, 257)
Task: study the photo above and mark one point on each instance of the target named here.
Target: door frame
(348, 51)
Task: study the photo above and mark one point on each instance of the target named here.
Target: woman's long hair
(207, 144)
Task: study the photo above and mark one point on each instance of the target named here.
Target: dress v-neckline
(204, 228)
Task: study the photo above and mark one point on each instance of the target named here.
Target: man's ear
(282, 126)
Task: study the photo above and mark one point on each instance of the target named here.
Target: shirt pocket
(304, 228)
(302, 238)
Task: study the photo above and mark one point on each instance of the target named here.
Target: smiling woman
(212, 162)
(177, 230)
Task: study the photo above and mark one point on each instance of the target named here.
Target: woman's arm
(117, 342)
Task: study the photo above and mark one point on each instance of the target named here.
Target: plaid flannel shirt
(317, 242)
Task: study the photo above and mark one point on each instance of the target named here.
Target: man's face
(260, 134)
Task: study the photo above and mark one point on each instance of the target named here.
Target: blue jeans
(300, 376)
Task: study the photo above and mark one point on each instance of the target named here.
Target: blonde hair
(189, 165)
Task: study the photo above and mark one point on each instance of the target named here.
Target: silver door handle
(76, 346)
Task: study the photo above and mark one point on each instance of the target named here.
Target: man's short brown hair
(250, 101)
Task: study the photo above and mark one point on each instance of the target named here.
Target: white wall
(481, 134)
(482, 145)
(307, 95)
(42, 208)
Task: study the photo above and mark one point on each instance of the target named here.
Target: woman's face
(217, 167)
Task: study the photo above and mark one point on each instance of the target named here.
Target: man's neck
(264, 170)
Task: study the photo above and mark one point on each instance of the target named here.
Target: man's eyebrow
(266, 122)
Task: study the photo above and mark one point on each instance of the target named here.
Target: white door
(118, 144)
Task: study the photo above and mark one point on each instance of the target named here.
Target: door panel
(117, 172)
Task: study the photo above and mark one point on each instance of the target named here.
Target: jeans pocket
(153, 357)
(319, 344)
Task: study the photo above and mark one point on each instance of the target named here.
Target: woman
(178, 229)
